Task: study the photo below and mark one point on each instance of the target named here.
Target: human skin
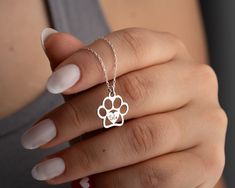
(24, 68)
(26, 19)
(15, 45)
(174, 132)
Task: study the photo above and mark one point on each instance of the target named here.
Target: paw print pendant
(112, 111)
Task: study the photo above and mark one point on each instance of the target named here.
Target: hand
(174, 131)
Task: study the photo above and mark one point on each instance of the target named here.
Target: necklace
(113, 109)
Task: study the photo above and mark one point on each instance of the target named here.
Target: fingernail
(45, 34)
(49, 169)
(38, 135)
(83, 183)
(63, 78)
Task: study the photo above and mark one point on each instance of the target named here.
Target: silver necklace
(113, 109)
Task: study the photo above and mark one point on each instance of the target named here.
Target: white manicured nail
(84, 182)
(38, 135)
(49, 169)
(45, 34)
(63, 78)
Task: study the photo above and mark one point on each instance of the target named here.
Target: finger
(135, 48)
(153, 90)
(139, 140)
(146, 89)
(59, 46)
(178, 170)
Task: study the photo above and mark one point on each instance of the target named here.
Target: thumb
(58, 46)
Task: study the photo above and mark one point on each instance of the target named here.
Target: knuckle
(134, 87)
(218, 121)
(220, 162)
(141, 138)
(117, 181)
(149, 177)
(158, 176)
(207, 77)
(179, 44)
(221, 117)
(215, 164)
(74, 115)
(133, 40)
(167, 127)
(216, 158)
(88, 56)
(85, 160)
(150, 133)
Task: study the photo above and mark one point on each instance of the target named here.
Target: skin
(161, 15)
(179, 128)
(21, 24)
(16, 49)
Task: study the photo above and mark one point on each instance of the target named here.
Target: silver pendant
(112, 111)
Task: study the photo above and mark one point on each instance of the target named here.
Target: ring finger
(82, 70)
(141, 139)
(166, 171)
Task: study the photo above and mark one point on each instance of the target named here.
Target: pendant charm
(112, 111)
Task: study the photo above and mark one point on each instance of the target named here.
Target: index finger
(58, 46)
(135, 48)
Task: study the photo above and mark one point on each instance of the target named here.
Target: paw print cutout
(112, 111)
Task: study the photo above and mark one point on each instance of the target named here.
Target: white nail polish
(38, 135)
(63, 78)
(48, 169)
(45, 34)
(84, 182)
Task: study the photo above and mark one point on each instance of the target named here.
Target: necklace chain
(113, 116)
(110, 85)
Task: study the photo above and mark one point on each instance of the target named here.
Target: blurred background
(219, 22)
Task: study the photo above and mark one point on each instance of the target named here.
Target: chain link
(111, 85)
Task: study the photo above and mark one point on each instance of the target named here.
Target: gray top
(85, 20)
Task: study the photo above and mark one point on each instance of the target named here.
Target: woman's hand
(174, 131)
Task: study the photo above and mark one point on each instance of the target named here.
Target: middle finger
(147, 91)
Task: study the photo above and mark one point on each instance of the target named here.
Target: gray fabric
(80, 18)
(16, 162)
(84, 20)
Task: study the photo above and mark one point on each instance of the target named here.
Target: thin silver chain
(111, 86)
